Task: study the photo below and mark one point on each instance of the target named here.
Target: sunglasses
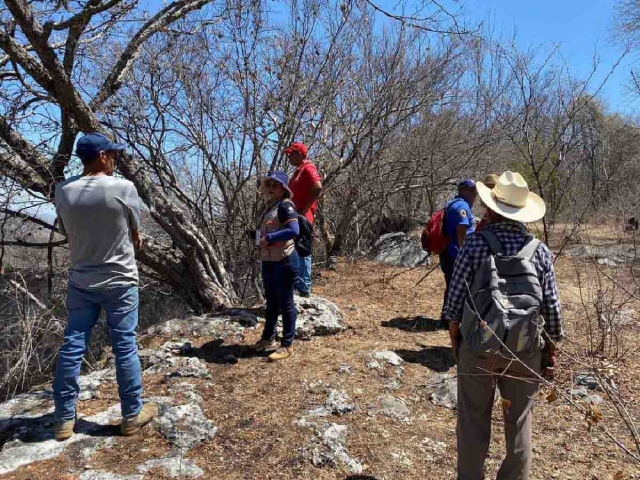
(271, 184)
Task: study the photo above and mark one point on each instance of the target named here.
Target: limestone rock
(388, 357)
(444, 388)
(399, 250)
(339, 403)
(190, 367)
(390, 406)
(317, 317)
(185, 426)
(32, 439)
(328, 448)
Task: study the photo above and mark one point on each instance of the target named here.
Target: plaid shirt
(512, 235)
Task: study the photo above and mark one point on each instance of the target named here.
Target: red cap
(297, 147)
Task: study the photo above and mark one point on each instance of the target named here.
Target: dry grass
(254, 403)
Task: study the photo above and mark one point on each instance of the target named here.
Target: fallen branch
(30, 295)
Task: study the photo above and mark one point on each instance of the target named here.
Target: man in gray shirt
(100, 215)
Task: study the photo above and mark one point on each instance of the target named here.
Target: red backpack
(433, 238)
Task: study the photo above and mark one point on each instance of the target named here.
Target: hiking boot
(64, 430)
(131, 426)
(281, 354)
(265, 345)
(306, 294)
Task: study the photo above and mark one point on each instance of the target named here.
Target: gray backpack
(504, 305)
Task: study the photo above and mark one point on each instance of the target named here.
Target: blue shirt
(458, 212)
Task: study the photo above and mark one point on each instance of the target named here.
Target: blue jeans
(278, 278)
(83, 307)
(303, 280)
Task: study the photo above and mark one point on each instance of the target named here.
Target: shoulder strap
(494, 242)
(530, 248)
(275, 206)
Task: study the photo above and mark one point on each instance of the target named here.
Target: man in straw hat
(510, 205)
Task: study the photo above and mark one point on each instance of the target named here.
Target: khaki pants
(478, 375)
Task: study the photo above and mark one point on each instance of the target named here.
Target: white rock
(185, 426)
(318, 316)
(389, 358)
(339, 403)
(444, 388)
(390, 406)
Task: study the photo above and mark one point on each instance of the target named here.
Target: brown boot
(281, 354)
(131, 426)
(64, 430)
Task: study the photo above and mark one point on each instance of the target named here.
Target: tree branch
(20, 243)
(29, 218)
(164, 17)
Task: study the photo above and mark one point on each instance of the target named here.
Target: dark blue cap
(280, 177)
(468, 182)
(90, 146)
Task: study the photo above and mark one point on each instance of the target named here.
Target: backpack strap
(530, 248)
(493, 241)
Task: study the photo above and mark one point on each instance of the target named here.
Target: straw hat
(512, 199)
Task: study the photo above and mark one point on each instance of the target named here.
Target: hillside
(264, 421)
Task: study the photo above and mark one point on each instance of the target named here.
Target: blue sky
(580, 27)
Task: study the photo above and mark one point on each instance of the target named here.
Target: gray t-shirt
(97, 214)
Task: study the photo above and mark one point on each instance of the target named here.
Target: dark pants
(478, 376)
(278, 279)
(446, 265)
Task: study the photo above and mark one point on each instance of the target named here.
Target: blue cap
(468, 182)
(280, 177)
(90, 146)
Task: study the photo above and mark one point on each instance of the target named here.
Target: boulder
(399, 250)
(318, 316)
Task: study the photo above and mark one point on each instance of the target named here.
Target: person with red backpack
(458, 222)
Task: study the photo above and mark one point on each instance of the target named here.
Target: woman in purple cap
(277, 228)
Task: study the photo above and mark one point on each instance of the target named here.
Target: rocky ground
(368, 395)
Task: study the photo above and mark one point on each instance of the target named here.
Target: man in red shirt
(306, 186)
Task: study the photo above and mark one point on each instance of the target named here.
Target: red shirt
(302, 180)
